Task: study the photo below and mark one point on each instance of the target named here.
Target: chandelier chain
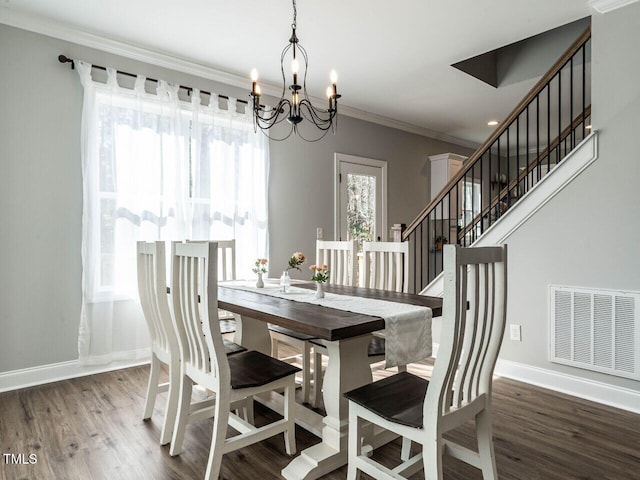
(295, 14)
(298, 107)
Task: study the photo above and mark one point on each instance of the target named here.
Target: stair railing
(549, 122)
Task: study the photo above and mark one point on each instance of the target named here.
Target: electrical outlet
(515, 333)
(319, 233)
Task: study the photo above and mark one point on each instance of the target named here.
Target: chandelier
(296, 105)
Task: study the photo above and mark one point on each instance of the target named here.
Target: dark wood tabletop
(317, 320)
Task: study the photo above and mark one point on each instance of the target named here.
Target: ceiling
(393, 58)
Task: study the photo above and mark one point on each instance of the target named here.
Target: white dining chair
(340, 256)
(386, 266)
(226, 272)
(232, 378)
(152, 290)
(459, 390)
(342, 259)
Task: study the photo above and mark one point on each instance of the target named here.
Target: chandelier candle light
(298, 107)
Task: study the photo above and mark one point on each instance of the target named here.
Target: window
(161, 169)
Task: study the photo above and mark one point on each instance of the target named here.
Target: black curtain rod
(65, 59)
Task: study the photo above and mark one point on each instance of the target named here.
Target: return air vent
(596, 329)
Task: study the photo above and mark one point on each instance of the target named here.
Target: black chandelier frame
(299, 107)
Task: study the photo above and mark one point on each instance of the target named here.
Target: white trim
(369, 162)
(592, 390)
(54, 372)
(447, 156)
(74, 34)
(606, 6)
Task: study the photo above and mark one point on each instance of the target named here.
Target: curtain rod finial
(65, 59)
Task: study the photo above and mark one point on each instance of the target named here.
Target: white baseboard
(604, 393)
(54, 372)
(611, 395)
(618, 397)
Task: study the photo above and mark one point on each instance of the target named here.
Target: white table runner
(407, 327)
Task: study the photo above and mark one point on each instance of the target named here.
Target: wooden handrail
(581, 117)
(517, 111)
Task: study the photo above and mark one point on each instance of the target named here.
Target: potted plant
(439, 241)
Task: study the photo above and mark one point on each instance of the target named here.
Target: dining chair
(459, 390)
(152, 290)
(341, 258)
(386, 266)
(232, 378)
(226, 272)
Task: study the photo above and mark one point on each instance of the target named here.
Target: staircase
(543, 129)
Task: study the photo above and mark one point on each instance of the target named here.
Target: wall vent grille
(596, 330)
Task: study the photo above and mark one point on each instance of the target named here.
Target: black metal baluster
(481, 196)
(490, 185)
(548, 127)
(518, 158)
(571, 129)
(537, 165)
(559, 117)
(508, 165)
(584, 89)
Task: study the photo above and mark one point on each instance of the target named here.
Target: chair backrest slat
(195, 300)
(152, 289)
(226, 260)
(386, 266)
(473, 325)
(340, 257)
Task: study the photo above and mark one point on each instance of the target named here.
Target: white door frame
(370, 162)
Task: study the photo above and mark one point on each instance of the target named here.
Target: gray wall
(302, 182)
(588, 235)
(41, 189)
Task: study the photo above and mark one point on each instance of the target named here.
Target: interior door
(361, 200)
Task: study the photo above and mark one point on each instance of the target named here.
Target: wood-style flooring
(91, 428)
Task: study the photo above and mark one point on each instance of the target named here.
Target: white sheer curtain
(157, 168)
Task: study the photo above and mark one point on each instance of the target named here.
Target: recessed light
(493, 123)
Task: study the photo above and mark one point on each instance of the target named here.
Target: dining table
(345, 334)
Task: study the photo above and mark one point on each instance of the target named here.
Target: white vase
(285, 282)
(319, 290)
(259, 283)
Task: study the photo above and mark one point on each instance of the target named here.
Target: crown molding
(606, 6)
(74, 34)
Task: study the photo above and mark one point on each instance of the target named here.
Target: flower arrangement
(321, 273)
(296, 260)
(260, 266)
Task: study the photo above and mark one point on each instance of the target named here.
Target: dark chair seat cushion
(230, 348)
(375, 348)
(398, 398)
(290, 333)
(253, 369)
(227, 325)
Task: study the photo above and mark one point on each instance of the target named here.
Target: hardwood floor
(91, 428)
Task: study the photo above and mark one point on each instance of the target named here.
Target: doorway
(361, 199)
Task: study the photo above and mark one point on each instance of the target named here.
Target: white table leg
(348, 368)
(252, 334)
